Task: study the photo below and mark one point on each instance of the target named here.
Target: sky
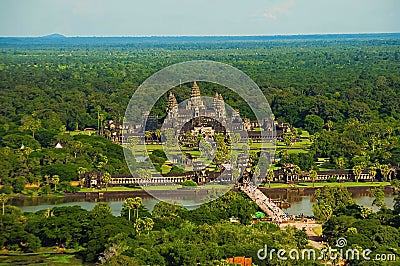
(196, 17)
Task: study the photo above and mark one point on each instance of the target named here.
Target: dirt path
(313, 238)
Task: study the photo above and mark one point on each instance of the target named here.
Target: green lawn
(295, 151)
(168, 187)
(317, 230)
(322, 184)
(165, 169)
(73, 133)
(110, 189)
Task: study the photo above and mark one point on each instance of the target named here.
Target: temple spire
(195, 90)
(172, 102)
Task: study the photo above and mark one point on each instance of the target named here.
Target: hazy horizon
(125, 18)
(178, 36)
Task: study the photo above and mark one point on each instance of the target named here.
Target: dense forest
(173, 235)
(170, 235)
(344, 89)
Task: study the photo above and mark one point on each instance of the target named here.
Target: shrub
(189, 183)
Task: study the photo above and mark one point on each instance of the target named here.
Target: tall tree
(158, 134)
(357, 171)
(129, 204)
(372, 172)
(55, 179)
(148, 135)
(329, 200)
(148, 224)
(379, 197)
(139, 225)
(81, 171)
(31, 124)
(106, 178)
(270, 176)
(137, 202)
(313, 176)
(385, 171)
(3, 200)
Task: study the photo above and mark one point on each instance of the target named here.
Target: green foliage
(176, 170)
(330, 200)
(229, 205)
(313, 123)
(305, 161)
(379, 197)
(189, 183)
(101, 210)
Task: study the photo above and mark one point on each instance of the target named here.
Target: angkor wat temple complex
(197, 117)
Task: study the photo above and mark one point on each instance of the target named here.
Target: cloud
(282, 7)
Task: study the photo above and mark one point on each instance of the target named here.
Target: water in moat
(300, 201)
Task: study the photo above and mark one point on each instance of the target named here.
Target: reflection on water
(300, 201)
(116, 202)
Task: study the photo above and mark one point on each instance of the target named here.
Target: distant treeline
(344, 89)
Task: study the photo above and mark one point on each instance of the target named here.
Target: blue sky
(196, 17)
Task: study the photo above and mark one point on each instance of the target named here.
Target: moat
(300, 201)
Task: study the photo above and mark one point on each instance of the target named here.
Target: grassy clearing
(110, 189)
(66, 259)
(323, 184)
(165, 169)
(317, 230)
(88, 133)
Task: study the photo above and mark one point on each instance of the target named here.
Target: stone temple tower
(172, 105)
(219, 106)
(195, 103)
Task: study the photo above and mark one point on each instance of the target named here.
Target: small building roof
(58, 146)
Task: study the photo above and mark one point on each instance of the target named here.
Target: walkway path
(266, 204)
(314, 240)
(278, 215)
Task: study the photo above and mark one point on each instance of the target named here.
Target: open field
(323, 184)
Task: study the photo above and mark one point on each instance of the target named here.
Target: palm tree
(139, 225)
(329, 125)
(81, 171)
(148, 135)
(392, 173)
(297, 171)
(385, 171)
(270, 176)
(340, 162)
(106, 178)
(313, 176)
(77, 148)
(148, 224)
(129, 204)
(357, 171)
(365, 212)
(55, 180)
(137, 201)
(372, 172)
(102, 162)
(3, 200)
(158, 134)
(47, 179)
